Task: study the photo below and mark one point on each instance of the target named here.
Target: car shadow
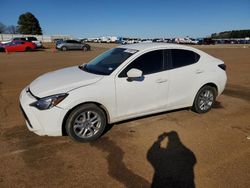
(217, 105)
(117, 169)
(237, 91)
(151, 115)
(111, 125)
(173, 164)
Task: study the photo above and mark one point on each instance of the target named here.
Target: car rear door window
(148, 63)
(182, 58)
(74, 42)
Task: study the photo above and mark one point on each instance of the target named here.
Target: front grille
(25, 116)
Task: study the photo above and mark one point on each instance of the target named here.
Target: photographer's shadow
(173, 164)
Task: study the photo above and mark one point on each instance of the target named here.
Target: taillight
(223, 66)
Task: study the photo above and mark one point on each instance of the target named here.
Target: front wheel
(64, 48)
(84, 48)
(86, 123)
(204, 99)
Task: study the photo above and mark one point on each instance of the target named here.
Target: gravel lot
(209, 150)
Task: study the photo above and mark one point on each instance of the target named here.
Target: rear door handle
(198, 71)
(161, 80)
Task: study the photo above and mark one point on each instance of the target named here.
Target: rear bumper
(38, 44)
(42, 122)
(222, 80)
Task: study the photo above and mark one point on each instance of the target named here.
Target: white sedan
(123, 83)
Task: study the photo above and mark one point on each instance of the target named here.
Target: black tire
(64, 48)
(27, 49)
(2, 50)
(205, 99)
(81, 128)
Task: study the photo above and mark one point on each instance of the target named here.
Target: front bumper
(42, 122)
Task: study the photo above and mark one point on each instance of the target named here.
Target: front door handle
(161, 80)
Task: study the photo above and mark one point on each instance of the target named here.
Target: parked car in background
(57, 40)
(30, 39)
(207, 41)
(158, 40)
(146, 41)
(186, 41)
(5, 42)
(104, 39)
(18, 46)
(72, 45)
(123, 83)
(83, 40)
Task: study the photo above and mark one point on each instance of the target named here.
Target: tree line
(11, 29)
(232, 34)
(26, 24)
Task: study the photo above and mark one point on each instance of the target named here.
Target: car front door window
(149, 63)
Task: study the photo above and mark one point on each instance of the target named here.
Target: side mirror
(134, 73)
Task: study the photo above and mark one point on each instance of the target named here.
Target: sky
(131, 18)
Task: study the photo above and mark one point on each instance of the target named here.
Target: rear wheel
(204, 99)
(27, 49)
(86, 123)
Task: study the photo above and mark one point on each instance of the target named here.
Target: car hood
(62, 81)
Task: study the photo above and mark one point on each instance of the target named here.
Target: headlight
(49, 102)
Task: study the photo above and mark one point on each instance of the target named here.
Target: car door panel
(15, 47)
(145, 94)
(140, 96)
(70, 46)
(183, 79)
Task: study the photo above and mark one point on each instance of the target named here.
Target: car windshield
(107, 62)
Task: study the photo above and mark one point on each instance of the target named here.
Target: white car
(123, 83)
(186, 41)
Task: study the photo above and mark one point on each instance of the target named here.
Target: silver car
(72, 45)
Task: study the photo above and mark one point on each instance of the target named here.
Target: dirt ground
(209, 150)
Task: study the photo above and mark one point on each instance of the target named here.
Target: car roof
(151, 45)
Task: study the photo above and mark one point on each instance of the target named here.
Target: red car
(18, 46)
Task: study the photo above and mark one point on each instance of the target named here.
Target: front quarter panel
(102, 92)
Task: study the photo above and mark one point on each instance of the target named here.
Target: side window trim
(123, 69)
(167, 59)
(125, 66)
